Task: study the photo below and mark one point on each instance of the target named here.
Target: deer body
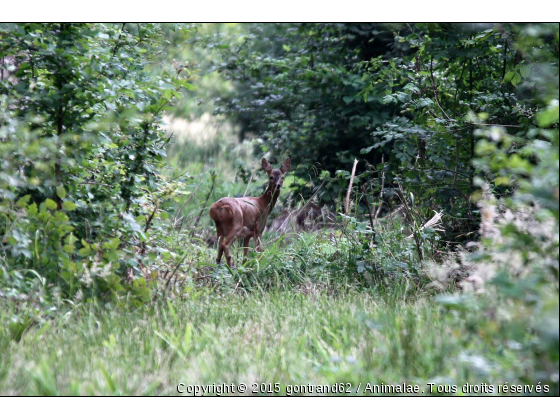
(246, 217)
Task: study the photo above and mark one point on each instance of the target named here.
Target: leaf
(187, 85)
(113, 243)
(361, 266)
(387, 99)
(71, 238)
(61, 192)
(69, 206)
(549, 116)
(50, 204)
(132, 223)
(22, 202)
(69, 248)
(525, 71)
(32, 209)
(84, 252)
(362, 227)
(142, 293)
(508, 76)
(402, 265)
(502, 180)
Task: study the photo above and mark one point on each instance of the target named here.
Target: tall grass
(281, 337)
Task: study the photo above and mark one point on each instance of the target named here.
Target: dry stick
(434, 221)
(168, 279)
(310, 201)
(183, 206)
(382, 188)
(148, 223)
(178, 176)
(237, 285)
(151, 217)
(176, 268)
(347, 206)
(347, 209)
(248, 185)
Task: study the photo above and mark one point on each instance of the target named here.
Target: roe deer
(246, 217)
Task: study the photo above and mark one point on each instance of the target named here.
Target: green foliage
(518, 254)
(81, 149)
(296, 91)
(454, 80)
(326, 93)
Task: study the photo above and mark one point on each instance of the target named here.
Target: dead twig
(434, 221)
(183, 206)
(148, 223)
(347, 209)
(175, 270)
(248, 185)
(382, 188)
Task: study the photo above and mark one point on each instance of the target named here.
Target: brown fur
(246, 217)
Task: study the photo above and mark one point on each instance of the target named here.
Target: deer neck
(269, 198)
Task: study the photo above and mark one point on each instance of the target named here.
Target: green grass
(284, 337)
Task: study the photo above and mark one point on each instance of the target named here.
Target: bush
(81, 148)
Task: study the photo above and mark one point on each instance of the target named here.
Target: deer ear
(285, 167)
(266, 166)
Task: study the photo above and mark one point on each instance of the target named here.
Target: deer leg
(246, 247)
(227, 242)
(228, 256)
(220, 250)
(220, 234)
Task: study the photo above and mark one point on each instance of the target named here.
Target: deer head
(276, 176)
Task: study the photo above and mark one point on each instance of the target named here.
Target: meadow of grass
(280, 336)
